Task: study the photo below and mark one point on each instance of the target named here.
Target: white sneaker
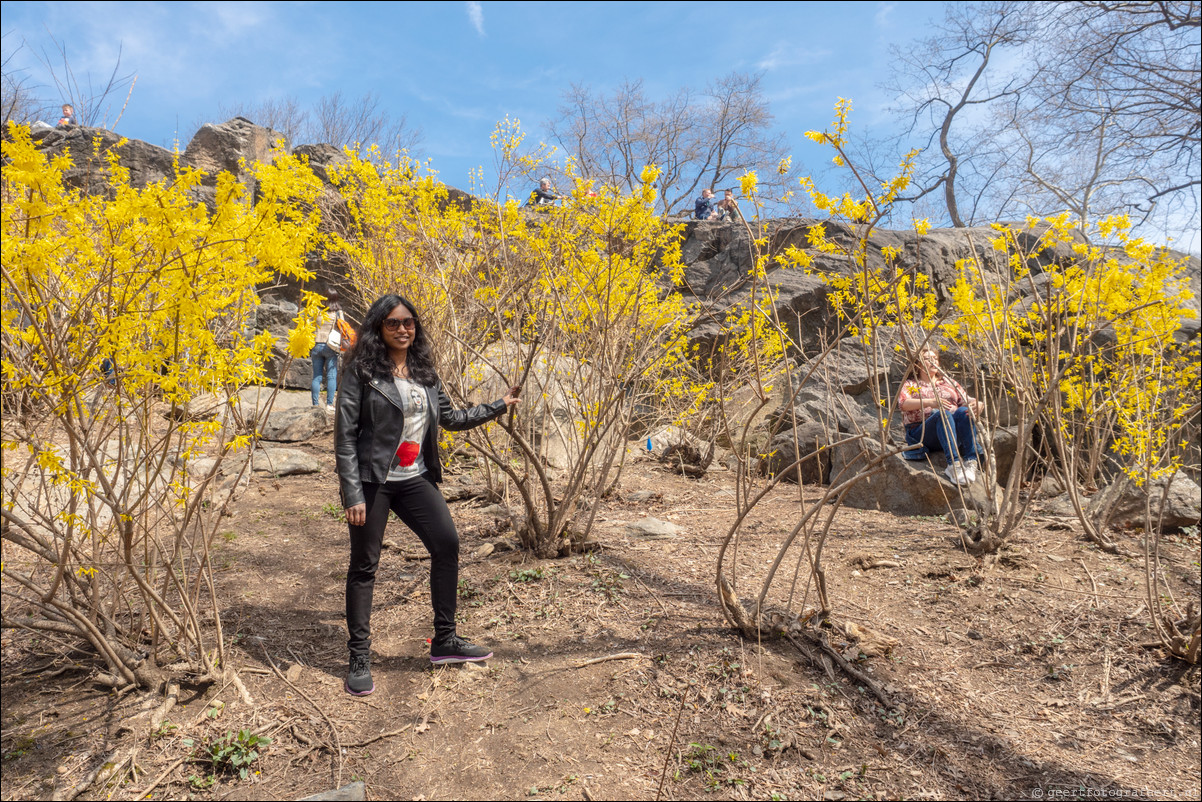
(956, 474)
(329, 407)
(970, 471)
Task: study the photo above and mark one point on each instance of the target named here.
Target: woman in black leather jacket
(390, 405)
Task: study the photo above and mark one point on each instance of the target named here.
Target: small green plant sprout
(526, 575)
(164, 729)
(335, 511)
(608, 582)
(702, 757)
(200, 783)
(236, 751)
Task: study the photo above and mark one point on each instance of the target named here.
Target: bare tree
(93, 102)
(284, 114)
(362, 121)
(17, 94)
(697, 139)
(335, 120)
(1089, 107)
(952, 80)
(1126, 81)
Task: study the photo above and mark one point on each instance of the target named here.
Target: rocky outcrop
(807, 443)
(89, 149)
(285, 461)
(321, 158)
(1124, 505)
(842, 395)
(904, 487)
(297, 425)
(232, 146)
(718, 256)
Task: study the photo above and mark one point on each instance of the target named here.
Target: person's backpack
(346, 332)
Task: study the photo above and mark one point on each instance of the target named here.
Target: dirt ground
(1032, 678)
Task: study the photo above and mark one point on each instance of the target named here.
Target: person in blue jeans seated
(325, 353)
(938, 414)
(705, 207)
(386, 421)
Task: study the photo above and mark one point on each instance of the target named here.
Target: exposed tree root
(805, 638)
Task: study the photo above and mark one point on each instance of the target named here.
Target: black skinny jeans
(421, 507)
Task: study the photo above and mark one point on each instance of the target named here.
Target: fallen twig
(849, 669)
(868, 563)
(671, 745)
(161, 777)
(99, 774)
(619, 656)
(1096, 604)
(381, 736)
(307, 698)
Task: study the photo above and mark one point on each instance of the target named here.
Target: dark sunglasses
(392, 323)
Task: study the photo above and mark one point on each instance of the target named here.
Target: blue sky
(457, 68)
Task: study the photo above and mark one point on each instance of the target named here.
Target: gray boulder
(1122, 504)
(146, 163)
(218, 147)
(1005, 448)
(275, 315)
(835, 410)
(904, 487)
(652, 529)
(296, 425)
(783, 452)
(321, 158)
(285, 461)
(292, 374)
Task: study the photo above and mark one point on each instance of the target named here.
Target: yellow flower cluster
(1098, 330)
(144, 284)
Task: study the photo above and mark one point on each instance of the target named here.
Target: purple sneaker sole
(347, 688)
(458, 658)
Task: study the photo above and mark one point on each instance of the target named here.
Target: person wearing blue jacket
(706, 206)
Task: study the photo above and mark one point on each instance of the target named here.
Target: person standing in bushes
(326, 350)
(938, 416)
(389, 408)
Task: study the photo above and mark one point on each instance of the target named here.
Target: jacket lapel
(388, 388)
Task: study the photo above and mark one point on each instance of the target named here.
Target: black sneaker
(456, 650)
(358, 679)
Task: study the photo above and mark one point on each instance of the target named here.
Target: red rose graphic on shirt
(408, 452)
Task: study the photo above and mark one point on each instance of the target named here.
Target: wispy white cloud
(790, 55)
(881, 18)
(475, 13)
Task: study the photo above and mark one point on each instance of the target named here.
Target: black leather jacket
(368, 424)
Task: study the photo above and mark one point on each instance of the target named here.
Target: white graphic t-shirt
(409, 461)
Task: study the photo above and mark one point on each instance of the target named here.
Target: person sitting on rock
(728, 208)
(68, 117)
(706, 207)
(938, 416)
(543, 194)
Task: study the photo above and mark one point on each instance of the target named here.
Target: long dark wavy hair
(369, 356)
